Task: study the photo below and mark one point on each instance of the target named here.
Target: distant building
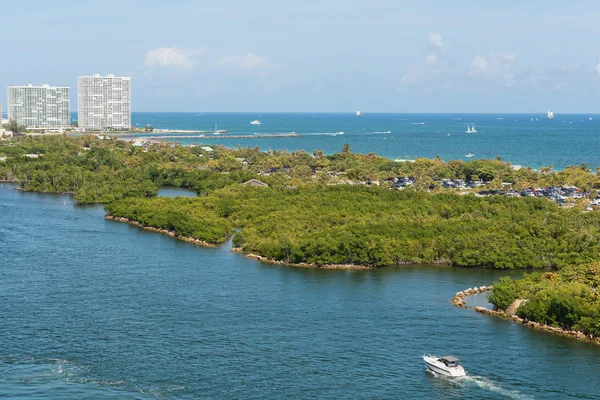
(207, 149)
(104, 102)
(39, 107)
(244, 161)
(255, 182)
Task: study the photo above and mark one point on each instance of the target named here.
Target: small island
(346, 210)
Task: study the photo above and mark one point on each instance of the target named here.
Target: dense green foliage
(308, 215)
(566, 299)
(373, 226)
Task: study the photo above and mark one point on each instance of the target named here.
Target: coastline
(163, 231)
(459, 301)
(238, 250)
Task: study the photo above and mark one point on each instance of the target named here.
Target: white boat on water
(338, 133)
(550, 115)
(468, 129)
(473, 130)
(358, 113)
(255, 122)
(470, 155)
(447, 366)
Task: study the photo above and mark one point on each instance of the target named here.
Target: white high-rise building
(39, 107)
(104, 102)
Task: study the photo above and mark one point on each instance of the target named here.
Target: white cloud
(171, 57)
(431, 59)
(408, 78)
(436, 42)
(248, 61)
(492, 65)
(433, 64)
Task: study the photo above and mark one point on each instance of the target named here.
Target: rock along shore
(459, 301)
(163, 231)
(304, 265)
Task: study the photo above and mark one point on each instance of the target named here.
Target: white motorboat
(255, 122)
(550, 115)
(359, 114)
(338, 133)
(446, 366)
(470, 155)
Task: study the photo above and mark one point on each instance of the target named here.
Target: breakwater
(459, 300)
(261, 136)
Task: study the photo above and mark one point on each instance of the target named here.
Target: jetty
(212, 136)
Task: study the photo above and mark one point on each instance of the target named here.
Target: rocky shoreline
(163, 231)
(304, 265)
(459, 300)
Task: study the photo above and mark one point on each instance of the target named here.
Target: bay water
(523, 139)
(91, 308)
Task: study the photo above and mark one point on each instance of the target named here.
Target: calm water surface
(91, 308)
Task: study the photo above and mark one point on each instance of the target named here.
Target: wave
(488, 384)
(56, 378)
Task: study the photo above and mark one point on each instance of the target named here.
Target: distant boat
(500, 118)
(358, 113)
(468, 129)
(590, 118)
(469, 155)
(338, 133)
(550, 115)
(255, 122)
(473, 129)
(216, 132)
(418, 123)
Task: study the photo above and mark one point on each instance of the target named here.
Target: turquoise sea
(95, 309)
(523, 139)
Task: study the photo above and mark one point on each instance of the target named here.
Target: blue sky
(315, 55)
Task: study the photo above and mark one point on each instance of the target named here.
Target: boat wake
(488, 384)
(483, 383)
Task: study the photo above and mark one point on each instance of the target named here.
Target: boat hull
(439, 368)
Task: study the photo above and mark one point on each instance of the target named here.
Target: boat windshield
(449, 361)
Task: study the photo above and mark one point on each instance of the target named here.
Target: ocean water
(91, 308)
(566, 140)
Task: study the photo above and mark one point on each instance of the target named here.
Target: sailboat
(216, 132)
(550, 115)
(473, 130)
(468, 129)
(358, 113)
